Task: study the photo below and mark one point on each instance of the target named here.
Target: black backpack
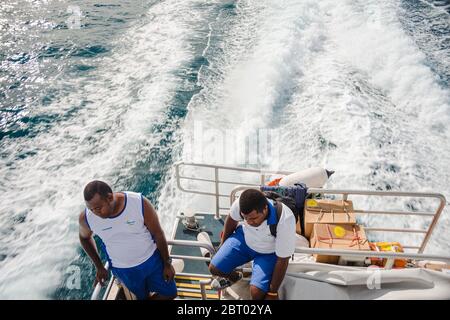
(278, 201)
(293, 197)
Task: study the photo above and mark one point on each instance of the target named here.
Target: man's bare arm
(152, 222)
(228, 229)
(89, 246)
(278, 273)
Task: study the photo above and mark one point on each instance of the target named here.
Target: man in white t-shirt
(247, 237)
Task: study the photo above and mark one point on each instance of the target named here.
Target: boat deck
(188, 283)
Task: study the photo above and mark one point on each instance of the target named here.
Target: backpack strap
(279, 210)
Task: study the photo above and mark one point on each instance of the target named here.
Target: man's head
(253, 205)
(99, 198)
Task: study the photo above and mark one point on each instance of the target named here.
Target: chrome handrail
(108, 288)
(190, 243)
(98, 287)
(240, 188)
(373, 254)
(345, 193)
(436, 214)
(217, 182)
(203, 284)
(199, 244)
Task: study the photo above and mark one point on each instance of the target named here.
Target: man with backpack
(261, 230)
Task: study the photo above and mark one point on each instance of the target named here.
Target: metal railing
(389, 256)
(198, 244)
(262, 175)
(190, 243)
(436, 214)
(345, 193)
(98, 287)
(261, 179)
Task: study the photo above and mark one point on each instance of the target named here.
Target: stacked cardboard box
(331, 224)
(337, 236)
(327, 211)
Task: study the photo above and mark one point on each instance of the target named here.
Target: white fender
(178, 265)
(204, 237)
(314, 177)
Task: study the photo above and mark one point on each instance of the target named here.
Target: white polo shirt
(261, 240)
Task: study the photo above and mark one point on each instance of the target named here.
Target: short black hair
(252, 199)
(94, 187)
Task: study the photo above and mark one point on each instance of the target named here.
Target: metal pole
(203, 284)
(433, 223)
(216, 178)
(98, 287)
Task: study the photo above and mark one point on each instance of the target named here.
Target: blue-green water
(112, 90)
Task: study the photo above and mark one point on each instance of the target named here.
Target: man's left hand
(169, 272)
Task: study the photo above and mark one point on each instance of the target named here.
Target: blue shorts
(146, 277)
(234, 252)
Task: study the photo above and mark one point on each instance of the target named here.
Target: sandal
(222, 283)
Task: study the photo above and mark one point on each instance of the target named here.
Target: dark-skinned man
(134, 241)
(247, 237)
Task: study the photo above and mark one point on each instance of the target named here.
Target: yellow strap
(191, 278)
(197, 295)
(191, 285)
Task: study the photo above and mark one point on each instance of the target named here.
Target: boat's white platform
(307, 282)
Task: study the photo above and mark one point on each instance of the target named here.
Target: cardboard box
(337, 236)
(327, 211)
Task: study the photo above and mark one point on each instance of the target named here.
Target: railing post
(389, 263)
(203, 284)
(108, 289)
(345, 193)
(216, 178)
(433, 223)
(177, 173)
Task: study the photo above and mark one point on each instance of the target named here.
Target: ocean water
(117, 90)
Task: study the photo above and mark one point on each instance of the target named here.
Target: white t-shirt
(261, 240)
